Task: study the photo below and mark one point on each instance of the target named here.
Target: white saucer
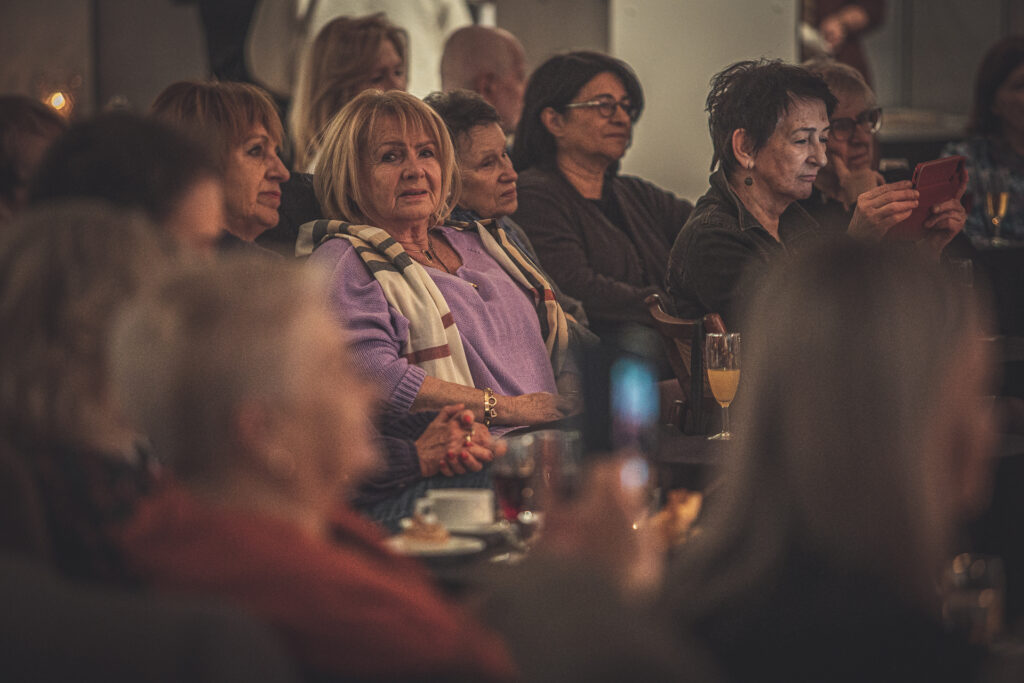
(455, 545)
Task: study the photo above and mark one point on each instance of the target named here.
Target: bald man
(489, 61)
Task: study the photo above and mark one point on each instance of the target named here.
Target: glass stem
(725, 419)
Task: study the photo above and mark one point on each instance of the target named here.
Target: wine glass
(995, 187)
(722, 360)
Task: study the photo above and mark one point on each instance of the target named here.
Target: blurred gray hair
(206, 338)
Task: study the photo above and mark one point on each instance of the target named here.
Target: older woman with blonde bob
(264, 438)
(348, 56)
(438, 315)
(240, 120)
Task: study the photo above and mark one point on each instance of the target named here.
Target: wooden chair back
(680, 336)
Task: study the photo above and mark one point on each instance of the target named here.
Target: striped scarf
(434, 342)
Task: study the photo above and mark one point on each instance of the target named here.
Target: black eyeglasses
(606, 106)
(869, 119)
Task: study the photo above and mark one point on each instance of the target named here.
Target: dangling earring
(748, 181)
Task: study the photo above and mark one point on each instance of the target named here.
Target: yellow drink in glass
(723, 385)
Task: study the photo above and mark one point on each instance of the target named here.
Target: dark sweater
(722, 250)
(610, 268)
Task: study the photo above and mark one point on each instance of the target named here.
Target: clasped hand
(443, 447)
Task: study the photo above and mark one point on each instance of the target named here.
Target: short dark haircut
(996, 66)
(462, 111)
(21, 116)
(555, 83)
(127, 160)
(754, 95)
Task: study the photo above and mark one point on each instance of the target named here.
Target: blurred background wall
(924, 57)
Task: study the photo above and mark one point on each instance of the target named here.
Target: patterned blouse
(984, 157)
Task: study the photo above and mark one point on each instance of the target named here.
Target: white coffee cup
(459, 508)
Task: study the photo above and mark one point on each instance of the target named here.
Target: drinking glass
(537, 467)
(995, 195)
(512, 474)
(722, 360)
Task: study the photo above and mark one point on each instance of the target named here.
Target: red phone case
(937, 181)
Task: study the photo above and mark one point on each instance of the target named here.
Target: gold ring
(468, 439)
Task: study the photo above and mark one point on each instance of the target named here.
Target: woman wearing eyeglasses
(602, 236)
(769, 125)
(849, 187)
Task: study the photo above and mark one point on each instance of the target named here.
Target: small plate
(454, 546)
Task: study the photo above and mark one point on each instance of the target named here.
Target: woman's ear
(743, 148)
(553, 121)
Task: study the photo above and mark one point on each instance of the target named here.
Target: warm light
(58, 101)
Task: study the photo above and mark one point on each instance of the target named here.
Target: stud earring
(748, 181)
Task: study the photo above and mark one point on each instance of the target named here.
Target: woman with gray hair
(865, 442)
(264, 439)
(850, 186)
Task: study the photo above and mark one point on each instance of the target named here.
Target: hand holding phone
(936, 182)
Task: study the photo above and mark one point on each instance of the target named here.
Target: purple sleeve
(376, 331)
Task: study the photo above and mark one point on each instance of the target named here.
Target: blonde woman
(349, 55)
(438, 315)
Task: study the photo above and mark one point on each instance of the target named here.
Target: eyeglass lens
(870, 120)
(606, 107)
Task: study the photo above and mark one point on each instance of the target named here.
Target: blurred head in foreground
(138, 164)
(864, 438)
(240, 376)
(67, 268)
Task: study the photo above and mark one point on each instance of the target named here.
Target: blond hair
(348, 142)
(841, 79)
(223, 113)
(339, 59)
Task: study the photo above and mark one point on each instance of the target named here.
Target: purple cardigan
(496, 321)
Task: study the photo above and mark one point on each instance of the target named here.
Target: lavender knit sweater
(496, 320)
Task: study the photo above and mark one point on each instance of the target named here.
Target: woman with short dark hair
(488, 178)
(769, 125)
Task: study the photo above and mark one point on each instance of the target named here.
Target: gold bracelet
(490, 402)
